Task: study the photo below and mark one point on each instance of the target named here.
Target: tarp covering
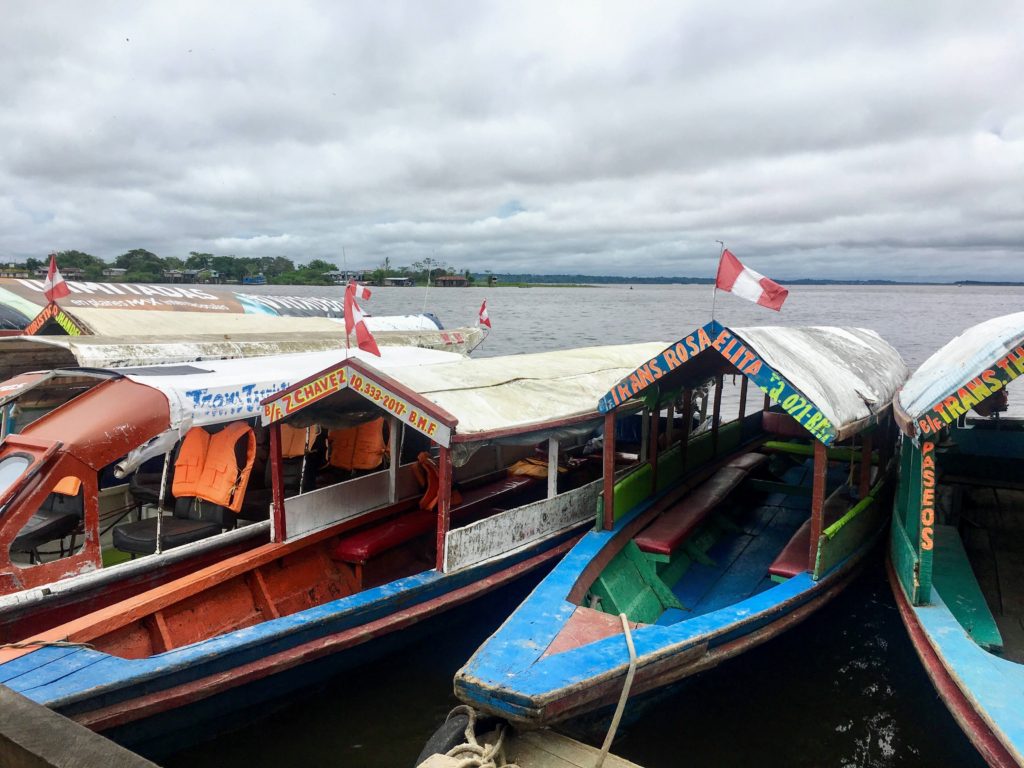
(850, 374)
(120, 322)
(221, 390)
(517, 392)
(831, 380)
(975, 364)
(22, 353)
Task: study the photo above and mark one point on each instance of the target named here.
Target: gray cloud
(816, 139)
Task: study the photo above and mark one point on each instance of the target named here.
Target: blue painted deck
(508, 675)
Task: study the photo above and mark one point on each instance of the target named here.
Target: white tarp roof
(138, 324)
(222, 390)
(959, 361)
(121, 351)
(850, 374)
(515, 391)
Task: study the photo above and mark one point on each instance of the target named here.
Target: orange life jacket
(426, 472)
(189, 465)
(293, 440)
(361, 447)
(223, 481)
(206, 467)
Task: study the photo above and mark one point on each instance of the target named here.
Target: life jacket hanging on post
(207, 467)
(223, 481)
(361, 447)
(428, 476)
(188, 467)
(293, 440)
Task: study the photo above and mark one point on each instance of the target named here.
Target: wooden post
(687, 425)
(609, 470)
(767, 401)
(395, 458)
(865, 467)
(444, 503)
(817, 499)
(716, 414)
(277, 478)
(652, 452)
(645, 432)
(670, 424)
(743, 397)
(552, 467)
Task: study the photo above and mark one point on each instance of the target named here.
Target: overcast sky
(817, 139)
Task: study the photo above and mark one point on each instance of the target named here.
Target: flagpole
(714, 296)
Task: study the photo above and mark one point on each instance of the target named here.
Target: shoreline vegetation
(142, 266)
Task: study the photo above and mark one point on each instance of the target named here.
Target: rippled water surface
(842, 689)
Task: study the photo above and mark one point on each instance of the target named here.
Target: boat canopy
(467, 400)
(833, 381)
(966, 371)
(282, 335)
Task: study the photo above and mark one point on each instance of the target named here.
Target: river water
(842, 689)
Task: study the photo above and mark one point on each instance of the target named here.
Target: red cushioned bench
(359, 547)
(795, 557)
(673, 525)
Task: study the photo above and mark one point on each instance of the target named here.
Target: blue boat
(715, 542)
(456, 504)
(956, 560)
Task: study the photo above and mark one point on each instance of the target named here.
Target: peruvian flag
(55, 288)
(484, 318)
(354, 318)
(751, 285)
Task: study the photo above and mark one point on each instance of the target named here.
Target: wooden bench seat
(795, 557)
(359, 547)
(671, 527)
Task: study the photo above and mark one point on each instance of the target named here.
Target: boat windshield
(11, 468)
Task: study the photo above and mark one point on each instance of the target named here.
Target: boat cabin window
(11, 468)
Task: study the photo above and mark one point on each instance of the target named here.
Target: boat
(955, 551)
(466, 504)
(715, 542)
(89, 459)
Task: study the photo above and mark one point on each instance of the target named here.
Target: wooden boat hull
(789, 604)
(189, 693)
(966, 706)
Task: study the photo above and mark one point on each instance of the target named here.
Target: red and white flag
(55, 288)
(354, 318)
(751, 285)
(484, 318)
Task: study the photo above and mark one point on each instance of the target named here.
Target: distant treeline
(142, 266)
(635, 280)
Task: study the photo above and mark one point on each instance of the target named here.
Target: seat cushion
(45, 525)
(140, 537)
(795, 557)
(677, 522)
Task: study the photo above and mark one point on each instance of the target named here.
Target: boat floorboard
(992, 524)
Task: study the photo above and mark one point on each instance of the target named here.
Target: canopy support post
(396, 434)
(552, 467)
(767, 402)
(280, 531)
(743, 397)
(160, 503)
(645, 432)
(865, 467)
(609, 470)
(444, 504)
(817, 499)
(687, 425)
(669, 423)
(652, 452)
(716, 414)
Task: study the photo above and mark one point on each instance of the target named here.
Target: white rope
(45, 644)
(621, 706)
(473, 754)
